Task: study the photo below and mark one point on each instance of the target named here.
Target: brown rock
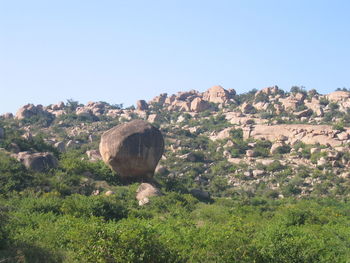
(199, 105)
(179, 105)
(159, 99)
(338, 96)
(7, 116)
(145, 191)
(268, 91)
(289, 103)
(142, 105)
(82, 111)
(303, 113)
(153, 118)
(58, 106)
(247, 108)
(132, 149)
(250, 153)
(216, 94)
(31, 110)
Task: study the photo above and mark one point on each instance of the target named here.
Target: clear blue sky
(122, 51)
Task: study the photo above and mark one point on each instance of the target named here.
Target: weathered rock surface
(199, 105)
(142, 105)
(39, 162)
(309, 134)
(337, 96)
(145, 191)
(30, 110)
(132, 149)
(216, 94)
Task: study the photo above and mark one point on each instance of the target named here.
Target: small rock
(109, 193)
(145, 191)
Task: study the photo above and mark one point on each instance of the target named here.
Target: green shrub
(13, 175)
(99, 206)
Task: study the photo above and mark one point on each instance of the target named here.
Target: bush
(13, 175)
(99, 206)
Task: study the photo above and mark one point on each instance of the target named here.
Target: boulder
(94, 155)
(268, 91)
(109, 193)
(200, 194)
(179, 105)
(337, 96)
(153, 118)
(142, 105)
(60, 146)
(30, 110)
(247, 108)
(303, 113)
(322, 161)
(343, 136)
(199, 105)
(39, 162)
(299, 96)
(58, 106)
(276, 146)
(85, 112)
(216, 94)
(145, 191)
(159, 99)
(7, 116)
(257, 173)
(290, 103)
(250, 153)
(132, 149)
(187, 95)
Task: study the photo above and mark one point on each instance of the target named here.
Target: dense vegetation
(274, 211)
(53, 218)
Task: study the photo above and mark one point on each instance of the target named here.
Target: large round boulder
(132, 149)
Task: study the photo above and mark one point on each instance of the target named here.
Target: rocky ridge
(277, 131)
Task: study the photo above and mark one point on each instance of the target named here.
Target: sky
(122, 51)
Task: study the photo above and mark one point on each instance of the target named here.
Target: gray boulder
(132, 149)
(40, 162)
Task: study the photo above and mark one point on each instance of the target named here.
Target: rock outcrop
(30, 110)
(141, 105)
(132, 149)
(199, 105)
(217, 94)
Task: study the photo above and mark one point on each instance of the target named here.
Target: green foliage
(339, 126)
(297, 89)
(262, 148)
(275, 166)
(13, 175)
(283, 149)
(99, 206)
(236, 134)
(36, 143)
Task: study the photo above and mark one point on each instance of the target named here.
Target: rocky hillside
(268, 142)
